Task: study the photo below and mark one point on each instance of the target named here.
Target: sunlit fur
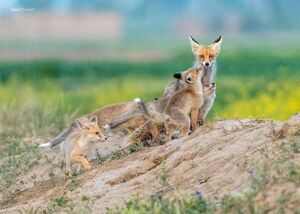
(183, 107)
(75, 144)
(206, 55)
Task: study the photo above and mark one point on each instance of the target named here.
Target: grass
(39, 98)
(250, 83)
(22, 127)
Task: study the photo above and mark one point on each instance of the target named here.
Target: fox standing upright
(205, 55)
(183, 106)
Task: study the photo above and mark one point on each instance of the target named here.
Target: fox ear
(94, 120)
(194, 44)
(79, 124)
(216, 45)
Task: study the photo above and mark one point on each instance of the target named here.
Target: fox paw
(88, 167)
(200, 122)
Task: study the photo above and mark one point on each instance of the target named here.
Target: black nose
(213, 84)
(177, 75)
(207, 64)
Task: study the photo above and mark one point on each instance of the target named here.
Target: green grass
(39, 98)
(251, 83)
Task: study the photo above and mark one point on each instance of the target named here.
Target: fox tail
(59, 138)
(149, 113)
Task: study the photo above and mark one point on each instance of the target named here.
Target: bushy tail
(150, 114)
(142, 106)
(59, 138)
(122, 119)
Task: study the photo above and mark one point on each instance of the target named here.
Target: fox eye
(97, 133)
(211, 56)
(201, 56)
(189, 79)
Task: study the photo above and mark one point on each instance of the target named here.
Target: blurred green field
(251, 82)
(38, 98)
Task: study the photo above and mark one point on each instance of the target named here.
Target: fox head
(206, 55)
(190, 76)
(91, 130)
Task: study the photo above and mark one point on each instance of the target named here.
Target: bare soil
(214, 160)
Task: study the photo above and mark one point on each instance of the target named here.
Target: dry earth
(214, 160)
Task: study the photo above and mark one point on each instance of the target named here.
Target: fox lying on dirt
(183, 107)
(204, 56)
(76, 142)
(104, 116)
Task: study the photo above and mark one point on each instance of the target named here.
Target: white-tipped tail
(142, 106)
(45, 145)
(107, 127)
(137, 100)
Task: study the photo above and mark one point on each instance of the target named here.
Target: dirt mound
(215, 159)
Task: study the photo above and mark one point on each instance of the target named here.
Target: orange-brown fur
(183, 107)
(104, 116)
(75, 144)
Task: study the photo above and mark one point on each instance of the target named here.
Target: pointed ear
(94, 120)
(216, 46)
(79, 124)
(194, 44)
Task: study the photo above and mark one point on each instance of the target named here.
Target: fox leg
(68, 163)
(184, 130)
(170, 128)
(80, 159)
(153, 130)
(200, 120)
(185, 123)
(194, 118)
(207, 104)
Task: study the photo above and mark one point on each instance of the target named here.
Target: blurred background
(58, 57)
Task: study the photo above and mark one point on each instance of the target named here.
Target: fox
(183, 107)
(135, 116)
(205, 55)
(104, 116)
(76, 143)
(142, 133)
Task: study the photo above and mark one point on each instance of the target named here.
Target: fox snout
(206, 64)
(177, 76)
(102, 138)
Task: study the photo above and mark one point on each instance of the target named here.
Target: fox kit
(104, 115)
(158, 105)
(205, 55)
(181, 105)
(75, 144)
(135, 116)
